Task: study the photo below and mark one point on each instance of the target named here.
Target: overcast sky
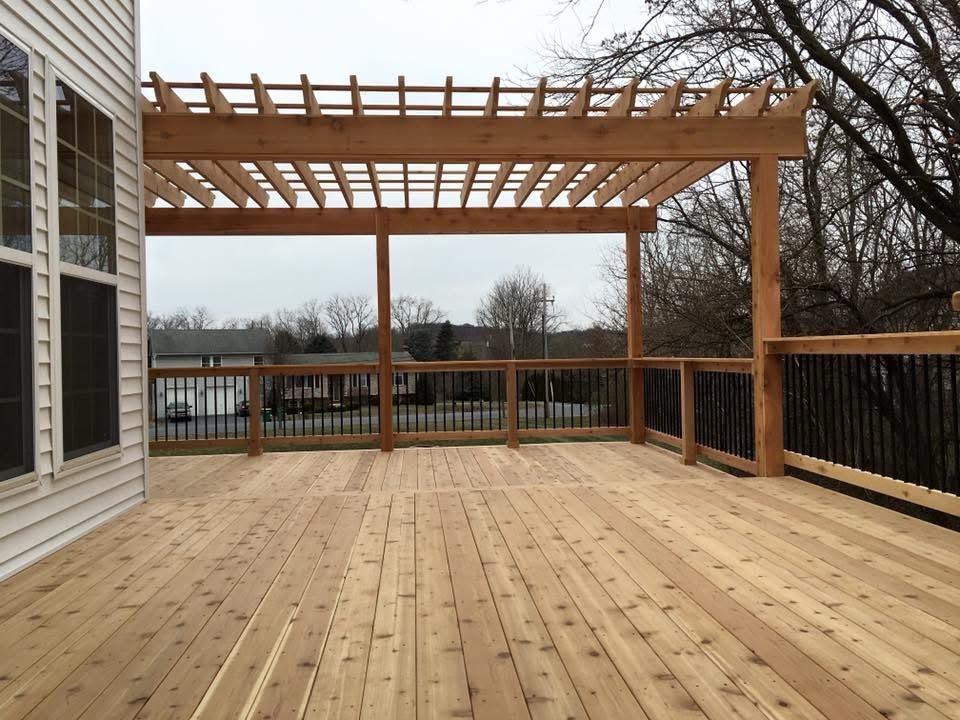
(425, 40)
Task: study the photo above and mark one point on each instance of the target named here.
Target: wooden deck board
(594, 580)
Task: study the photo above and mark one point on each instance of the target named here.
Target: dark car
(179, 411)
(243, 408)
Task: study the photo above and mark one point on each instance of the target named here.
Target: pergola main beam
(371, 138)
(408, 221)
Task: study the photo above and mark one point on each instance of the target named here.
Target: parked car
(243, 408)
(179, 411)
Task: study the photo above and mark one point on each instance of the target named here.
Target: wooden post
(254, 444)
(384, 338)
(765, 275)
(513, 439)
(688, 428)
(638, 429)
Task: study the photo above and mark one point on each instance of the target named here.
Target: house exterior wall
(93, 45)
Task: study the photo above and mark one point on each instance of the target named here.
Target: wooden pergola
(325, 159)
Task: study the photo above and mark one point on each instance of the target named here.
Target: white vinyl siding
(91, 45)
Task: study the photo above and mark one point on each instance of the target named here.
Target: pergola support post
(638, 430)
(384, 336)
(765, 278)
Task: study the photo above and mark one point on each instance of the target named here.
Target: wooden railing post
(688, 428)
(384, 337)
(513, 405)
(254, 433)
(765, 277)
(638, 430)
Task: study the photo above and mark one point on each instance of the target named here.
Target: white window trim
(62, 468)
(29, 479)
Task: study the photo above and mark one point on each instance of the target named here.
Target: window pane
(67, 174)
(14, 147)
(85, 166)
(90, 382)
(14, 90)
(86, 131)
(15, 219)
(16, 381)
(104, 141)
(66, 115)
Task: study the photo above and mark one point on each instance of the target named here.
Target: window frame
(58, 268)
(28, 260)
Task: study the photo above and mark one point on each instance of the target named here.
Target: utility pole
(547, 388)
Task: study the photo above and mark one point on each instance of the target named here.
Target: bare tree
(888, 70)
(350, 318)
(409, 312)
(513, 308)
(869, 220)
(183, 318)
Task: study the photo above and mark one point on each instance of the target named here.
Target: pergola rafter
(578, 108)
(489, 110)
(666, 106)
(358, 111)
(170, 102)
(534, 109)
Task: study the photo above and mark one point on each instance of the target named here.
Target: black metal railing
(449, 401)
(723, 403)
(893, 415)
(661, 400)
(318, 404)
(572, 398)
(186, 407)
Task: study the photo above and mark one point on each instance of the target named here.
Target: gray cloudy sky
(425, 40)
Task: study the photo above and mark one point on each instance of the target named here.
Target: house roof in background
(349, 358)
(249, 341)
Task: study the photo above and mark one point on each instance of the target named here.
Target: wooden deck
(599, 580)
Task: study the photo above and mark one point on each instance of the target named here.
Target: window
(85, 171)
(15, 219)
(90, 383)
(16, 379)
(399, 379)
(211, 361)
(258, 359)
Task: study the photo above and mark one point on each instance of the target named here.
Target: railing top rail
(941, 342)
(735, 365)
(244, 370)
(701, 364)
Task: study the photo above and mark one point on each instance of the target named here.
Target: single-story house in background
(323, 391)
(254, 346)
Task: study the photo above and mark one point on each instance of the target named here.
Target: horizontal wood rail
(264, 370)
(925, 497)
(734, 365)
(943, 342)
